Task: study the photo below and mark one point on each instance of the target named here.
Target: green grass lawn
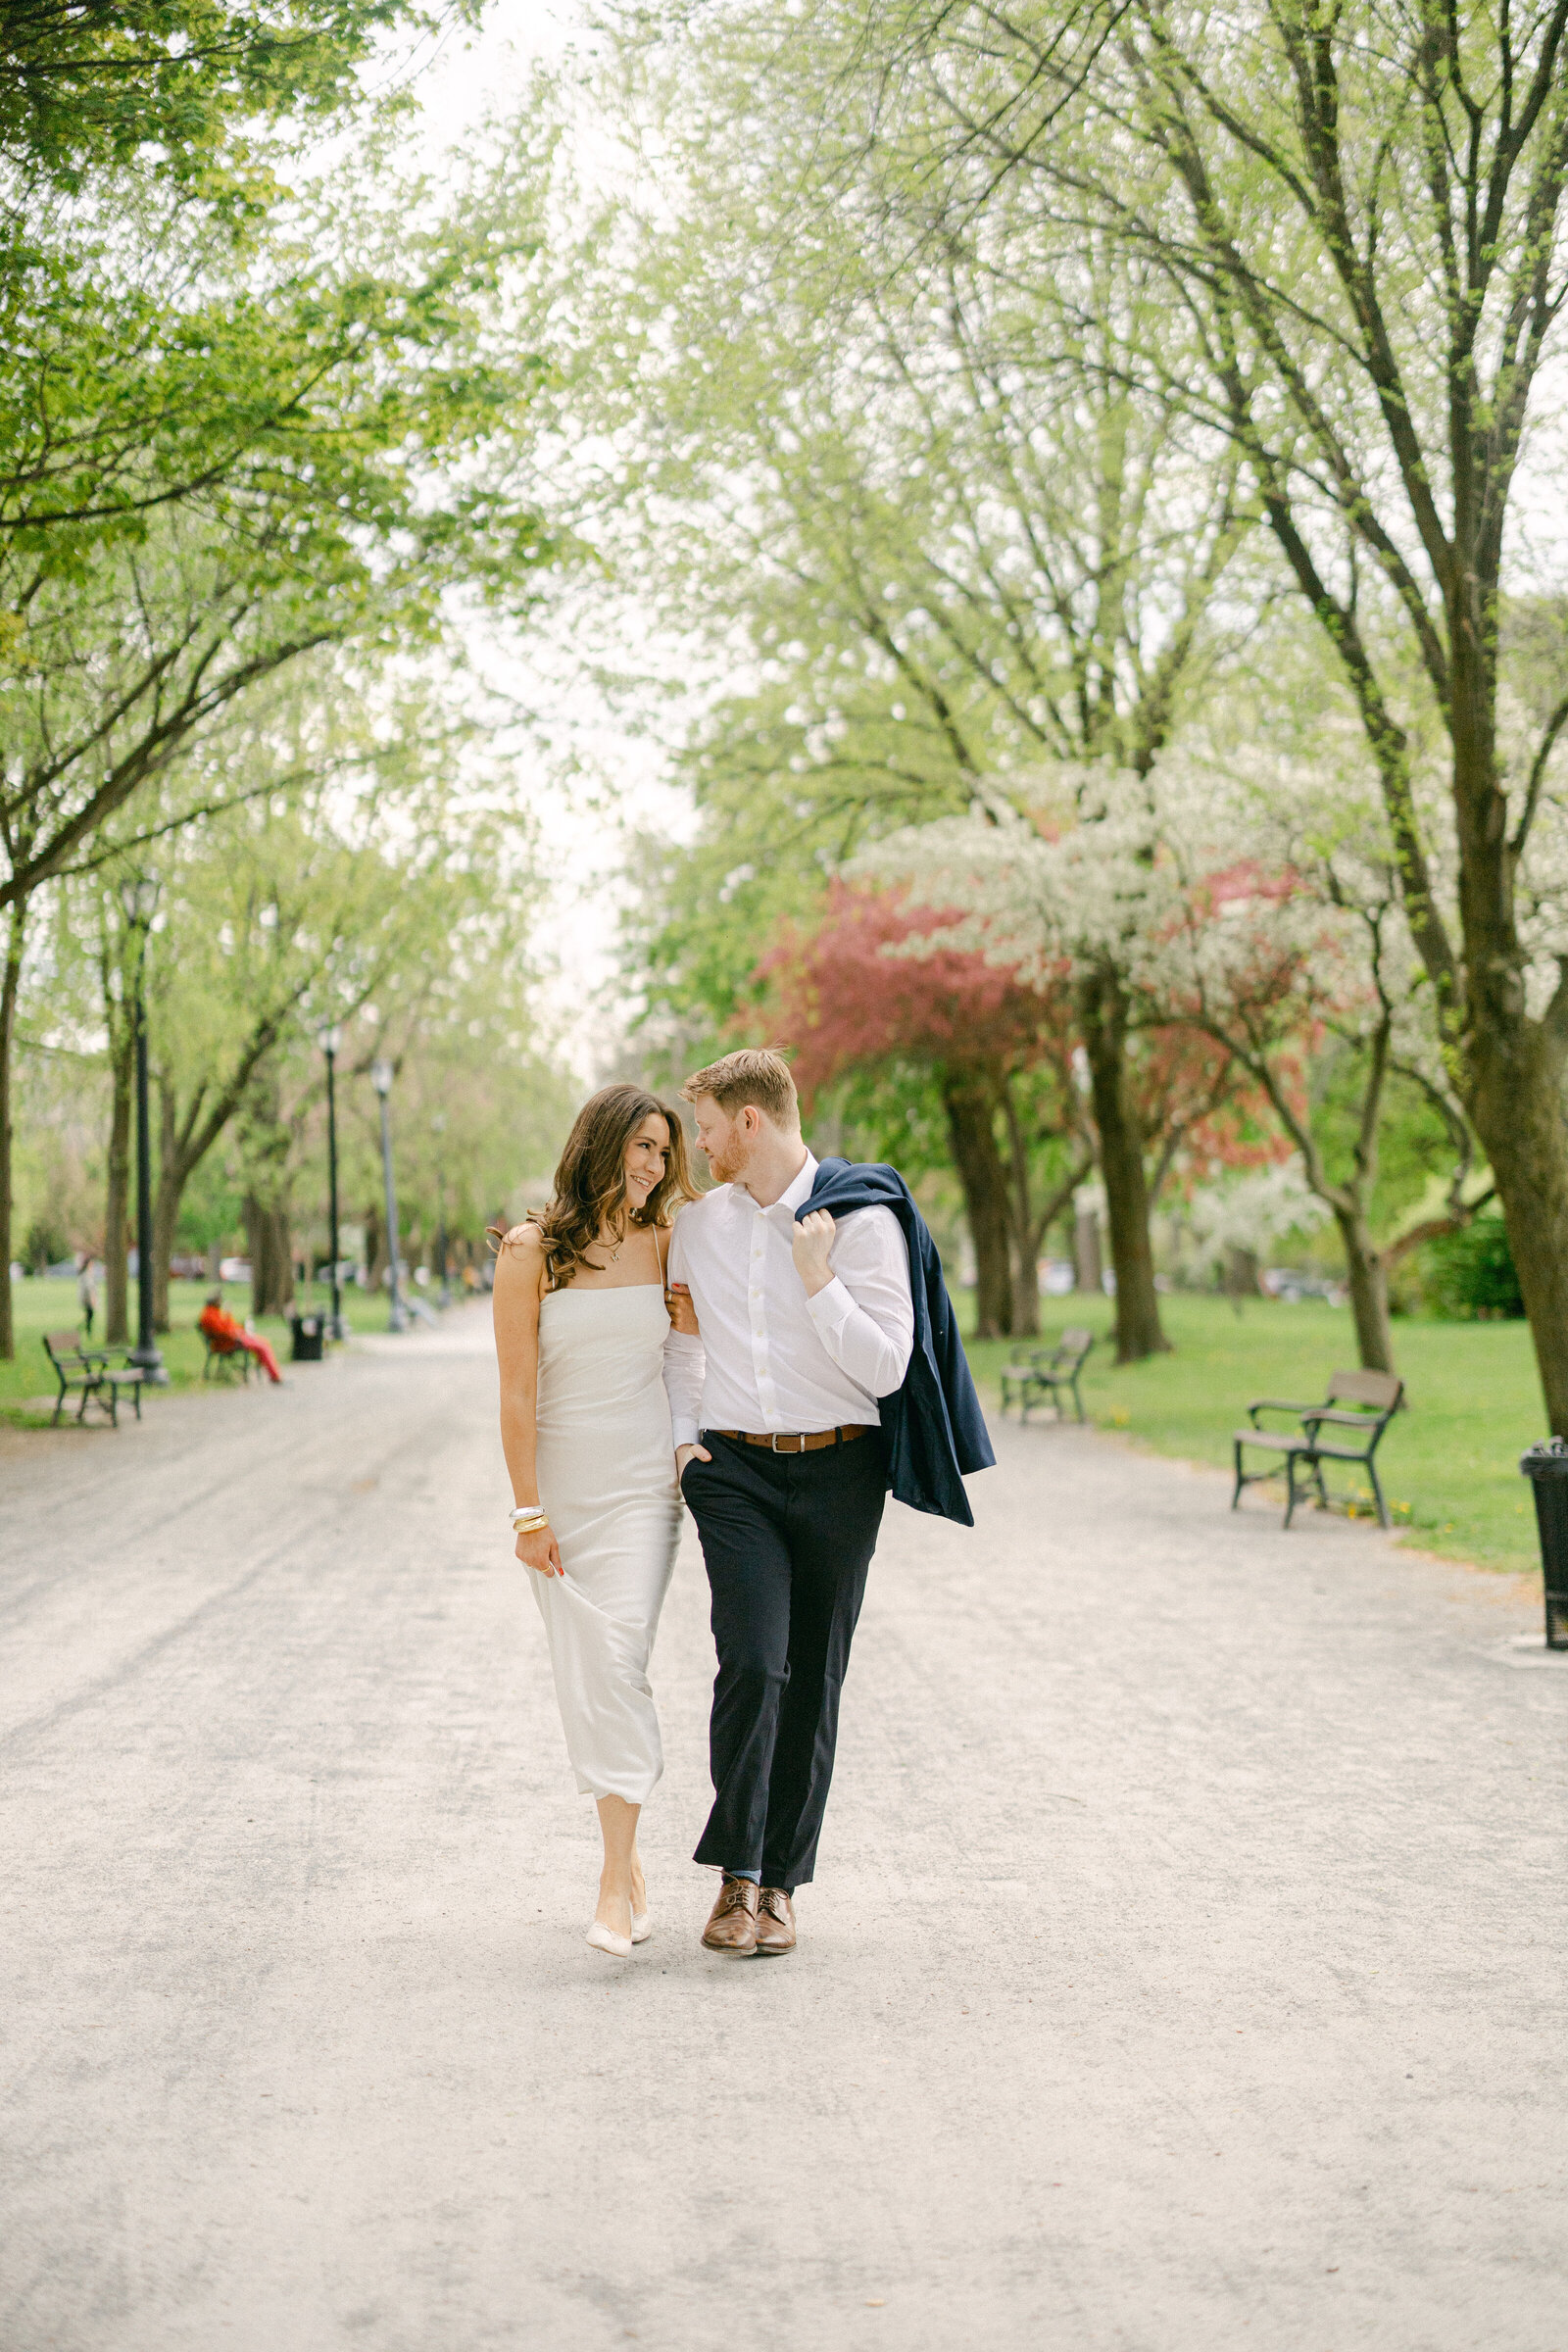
(41, 1305)
(1449, 1465)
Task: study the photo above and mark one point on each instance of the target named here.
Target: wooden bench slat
(1377, 1395)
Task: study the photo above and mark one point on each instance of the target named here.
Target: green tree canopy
(182, 87)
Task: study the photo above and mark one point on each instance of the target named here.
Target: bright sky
(473, 73)
(588, 779)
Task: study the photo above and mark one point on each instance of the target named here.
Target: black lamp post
(438, 1128)
(381, 1080)
(139, 900)
(329, 1039)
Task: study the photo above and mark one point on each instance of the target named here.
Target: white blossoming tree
(1263, 910)
(1227, 1224)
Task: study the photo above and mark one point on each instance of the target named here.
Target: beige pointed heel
(605, 1939)
(642, 1926)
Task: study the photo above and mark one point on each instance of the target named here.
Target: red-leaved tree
(1001, 1052)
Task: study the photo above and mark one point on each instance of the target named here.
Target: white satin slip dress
(607, 1477)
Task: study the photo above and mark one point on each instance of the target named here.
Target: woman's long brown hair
(590, 1183)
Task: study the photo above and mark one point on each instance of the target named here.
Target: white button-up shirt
(769, 1359)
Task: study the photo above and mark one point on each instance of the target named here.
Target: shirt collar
(798, 1189)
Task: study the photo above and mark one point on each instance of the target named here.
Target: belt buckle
(774, 1437)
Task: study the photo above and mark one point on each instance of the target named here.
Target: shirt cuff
(684, 1431)
(830, 1306)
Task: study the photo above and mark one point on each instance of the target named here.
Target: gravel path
(1185, 1971)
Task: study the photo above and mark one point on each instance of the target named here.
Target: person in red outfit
(221, 1328)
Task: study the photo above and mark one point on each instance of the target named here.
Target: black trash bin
(310, 1338)
(1547, 1467)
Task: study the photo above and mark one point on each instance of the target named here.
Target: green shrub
(1407, 1285)
(1470, 1274)
(45, 1246)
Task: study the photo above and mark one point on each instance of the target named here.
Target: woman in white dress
(582, 1311)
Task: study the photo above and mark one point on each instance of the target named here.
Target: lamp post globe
(138, 895)
(381, 1080)
(329, 1038)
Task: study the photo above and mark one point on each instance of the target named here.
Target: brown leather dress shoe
(732, 1922)
(776, 1921)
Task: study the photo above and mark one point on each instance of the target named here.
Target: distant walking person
(827, 1368)
(88, 1290)
(217, 1322)
(582, 1320)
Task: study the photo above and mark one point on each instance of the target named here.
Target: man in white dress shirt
(803, 1327)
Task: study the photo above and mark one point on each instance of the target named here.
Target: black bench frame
(89, 1370)
(1037, 1373)
(223, 1360)
(1374, 1397)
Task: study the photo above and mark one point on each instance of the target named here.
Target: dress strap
(663, 1274)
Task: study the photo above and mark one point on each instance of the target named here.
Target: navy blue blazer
(933, 1424)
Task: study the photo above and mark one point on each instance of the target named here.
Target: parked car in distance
(1293, 1284)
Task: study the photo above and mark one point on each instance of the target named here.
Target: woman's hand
(682, 1314)
(811, 1242)
(538, 1548)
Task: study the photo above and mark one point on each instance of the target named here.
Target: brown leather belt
(795, 1440)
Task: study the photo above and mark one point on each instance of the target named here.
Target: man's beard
(727, 1165)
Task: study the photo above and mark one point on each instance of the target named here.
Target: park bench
(224, 1358)
(1345, 1426)
(1042, 1373)
(89, 1370)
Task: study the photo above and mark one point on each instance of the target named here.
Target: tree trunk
(1024, 1225)
(1368, 1278)
(116, 1205)
(1516, 1102)
(10, 990)
(271, 1257)
(967, 1101)
(1513, 1063)
(166, 1224)
(1025, 1292)
(1240, 1274)
(280, 1269)
(1102, 1010)
(1088, 1265)
(168, 1192)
